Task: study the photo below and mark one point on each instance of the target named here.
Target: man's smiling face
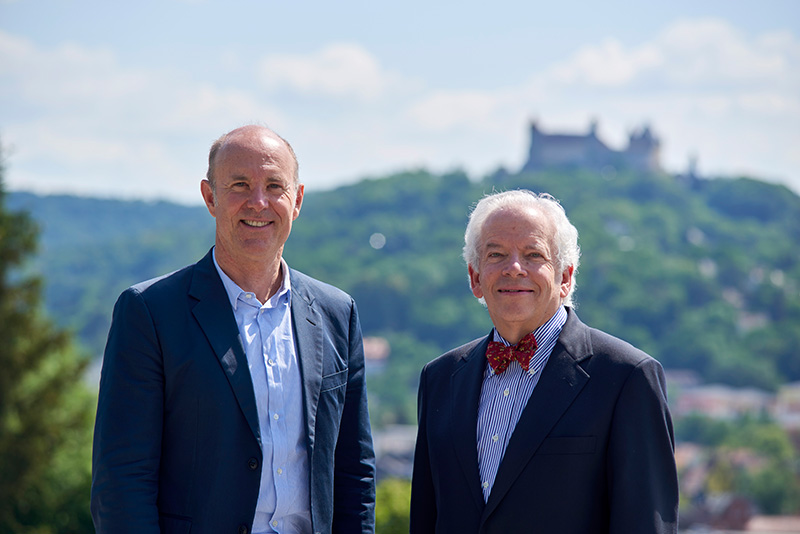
(517, 273)
(254, 198)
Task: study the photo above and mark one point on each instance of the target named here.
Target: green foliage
(771, 476)
(392, 504)
(705, 278)
(392, 399)
(45, 410)
(92, 249)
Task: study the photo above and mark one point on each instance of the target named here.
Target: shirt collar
(235, 292)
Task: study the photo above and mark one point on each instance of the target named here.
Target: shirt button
(252, 463)
(271, 361)
(274, 523)
(495, 437)
(506, 392)
(280, 471)
(243, 529)
(485, 484)
(275, 416)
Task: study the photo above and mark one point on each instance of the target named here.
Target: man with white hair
(545, 425)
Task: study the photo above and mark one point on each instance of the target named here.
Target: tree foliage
(45, 410)
(769, 473)
(704, 277)
(392, 505)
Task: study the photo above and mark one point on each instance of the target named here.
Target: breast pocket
(334, 381)
(568, 445)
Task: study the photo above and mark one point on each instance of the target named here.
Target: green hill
(703, 276)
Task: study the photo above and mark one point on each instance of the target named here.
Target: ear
(298, 201)
(475, 282)
(566, 281)
(208, 197)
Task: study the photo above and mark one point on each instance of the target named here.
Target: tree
(45, 408)
(393, 502)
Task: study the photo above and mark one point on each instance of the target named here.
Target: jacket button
(243, 529)
(252, 463)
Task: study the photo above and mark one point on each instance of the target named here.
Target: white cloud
(607, 64)
(79, 118)
(339, 70)
(444, 110)
(711, 52)
(704, 87)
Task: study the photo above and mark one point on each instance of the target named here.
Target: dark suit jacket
(592, 452)
(177, 439)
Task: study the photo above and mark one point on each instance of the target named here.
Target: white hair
(565, 237)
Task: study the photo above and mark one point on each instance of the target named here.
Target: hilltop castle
(570, 151)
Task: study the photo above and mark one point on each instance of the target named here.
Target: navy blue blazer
(177, 439)
(593, 451)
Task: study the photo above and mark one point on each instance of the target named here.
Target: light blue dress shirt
(266, 333)
(504, 397)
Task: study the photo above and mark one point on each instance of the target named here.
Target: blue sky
(105, 99)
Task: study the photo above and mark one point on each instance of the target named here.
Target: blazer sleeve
(423, 498)
(354, 468)
(127, 436)
(643, 483)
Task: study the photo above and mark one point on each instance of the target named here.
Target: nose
(258, 199)
(513, 266)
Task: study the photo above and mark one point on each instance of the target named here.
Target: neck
(263, 278)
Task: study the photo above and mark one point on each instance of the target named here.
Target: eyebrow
(536, 246)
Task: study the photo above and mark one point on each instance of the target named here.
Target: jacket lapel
(465, 391)
(561, 381)
(215, 317)
(308, 340)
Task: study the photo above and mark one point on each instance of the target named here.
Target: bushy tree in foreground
(45, 408)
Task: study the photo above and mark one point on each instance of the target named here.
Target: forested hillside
(702, 275)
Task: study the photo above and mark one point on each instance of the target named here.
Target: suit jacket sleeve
(127, 437)
(354, 468)
(423, 496)
(643, 485)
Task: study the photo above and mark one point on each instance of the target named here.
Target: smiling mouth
(256, 224)
(514, 290)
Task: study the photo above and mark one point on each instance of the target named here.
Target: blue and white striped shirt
(504, 396)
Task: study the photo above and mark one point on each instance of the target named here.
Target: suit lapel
(215, 317)
(561, 381)
(465, 392)
(308, 339)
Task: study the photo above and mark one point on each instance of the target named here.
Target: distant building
(376, 354)
(722, 402)
(787, 406)
(394, 451)
(575, 151)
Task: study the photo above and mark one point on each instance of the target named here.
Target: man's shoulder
(320, 290)
(163, 282)
(454, 356)
(175, 282)
(600, 346)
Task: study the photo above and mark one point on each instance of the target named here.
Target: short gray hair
(565, 238)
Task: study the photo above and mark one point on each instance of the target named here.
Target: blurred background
(670, 133)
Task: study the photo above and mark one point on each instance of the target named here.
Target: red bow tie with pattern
(500, 355)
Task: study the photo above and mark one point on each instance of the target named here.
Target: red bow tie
(500, 355)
